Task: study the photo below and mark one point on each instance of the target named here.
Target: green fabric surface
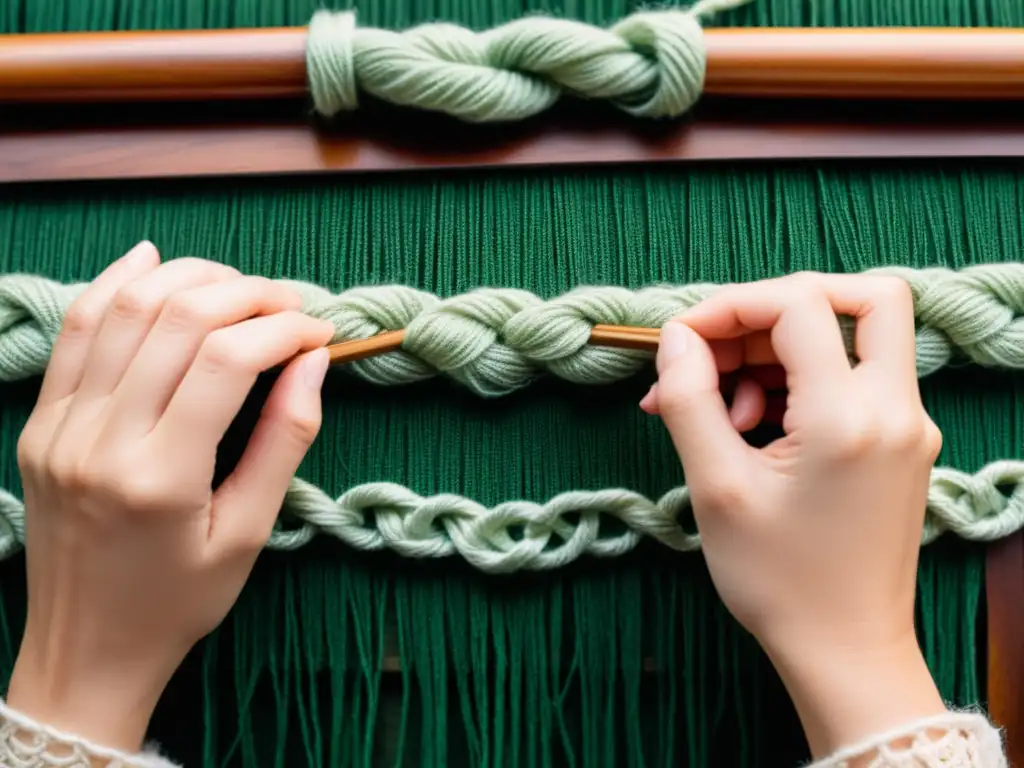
(628, 662)
(334, 658)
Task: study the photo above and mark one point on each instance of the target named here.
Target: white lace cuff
(952, 740)
(25, 743)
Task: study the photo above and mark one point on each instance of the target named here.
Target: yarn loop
(650, 64)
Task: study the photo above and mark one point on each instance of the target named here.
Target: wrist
(108, 707)
(845, 694)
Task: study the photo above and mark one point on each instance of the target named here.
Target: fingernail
(675, 340)
(314, 369)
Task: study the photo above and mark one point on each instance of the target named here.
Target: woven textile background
(336, 658)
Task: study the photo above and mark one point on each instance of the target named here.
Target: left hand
(132, 556)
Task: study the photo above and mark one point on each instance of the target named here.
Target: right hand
(812, 541)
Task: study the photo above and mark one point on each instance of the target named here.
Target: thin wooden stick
(624, 337)
(269, 63)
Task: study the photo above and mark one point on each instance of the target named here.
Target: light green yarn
(651, 64)
(498, 340)
(523, 535)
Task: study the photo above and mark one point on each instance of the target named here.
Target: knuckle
(134, 303)
(183, 312)
(81, 319)
(30, 449)
(805, 281)
(932, 439)
(141, 492)
(892, 290)
(904, 431)
(302, 426)
(852, 436)
(69, 473)
(220, 353)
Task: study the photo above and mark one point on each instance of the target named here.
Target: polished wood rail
(269, 63)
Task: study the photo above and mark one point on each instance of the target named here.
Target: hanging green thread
(650, 64)
(523, 535)
(498, 340)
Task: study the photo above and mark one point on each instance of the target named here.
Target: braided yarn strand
(527, 536)
(650, 64)
(498, 340)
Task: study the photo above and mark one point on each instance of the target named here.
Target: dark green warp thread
(632, 663)
(356, 661)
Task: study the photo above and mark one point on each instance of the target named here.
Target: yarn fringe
(378, 660)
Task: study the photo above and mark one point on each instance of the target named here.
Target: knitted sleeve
(953, 740)
(25, 743)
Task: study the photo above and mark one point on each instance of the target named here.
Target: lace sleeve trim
(952, 740)
(25, 743)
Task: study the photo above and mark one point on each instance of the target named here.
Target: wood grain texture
(295, 147)
(1004, 592)
(897, 63)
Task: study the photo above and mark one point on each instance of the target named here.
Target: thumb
(691, 405)
(249, 500)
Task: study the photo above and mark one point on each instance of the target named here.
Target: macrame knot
(982, 507)
(330, 68)
(359, 313)
(463, 336)
(974, 312)
(512, 536)
(12, 525)
(32, 311)
(650, 64)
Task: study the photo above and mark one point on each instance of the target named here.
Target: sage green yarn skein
(650, 64)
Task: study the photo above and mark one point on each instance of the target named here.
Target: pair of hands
(812, 541)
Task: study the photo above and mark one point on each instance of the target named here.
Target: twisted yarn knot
(32, 311)
(523, 535)
(975, 312)
(650, 64)
(498, 340)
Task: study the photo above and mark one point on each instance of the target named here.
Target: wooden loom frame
(60, 120)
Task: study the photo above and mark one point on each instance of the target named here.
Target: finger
(247, 503)
(883, 308)
(224, 371)
(83, 319)
(748, 405)
(805, 333)
(754, 348)
(185, 322)
(132, 313)
(729, 354)
(692, 407)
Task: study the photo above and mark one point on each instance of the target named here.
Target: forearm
(880, 709)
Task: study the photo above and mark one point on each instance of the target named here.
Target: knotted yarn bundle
(650, 64)
(523, 535)
(498, 340)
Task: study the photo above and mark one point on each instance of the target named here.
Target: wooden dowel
(624, 337)
(269, 63)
